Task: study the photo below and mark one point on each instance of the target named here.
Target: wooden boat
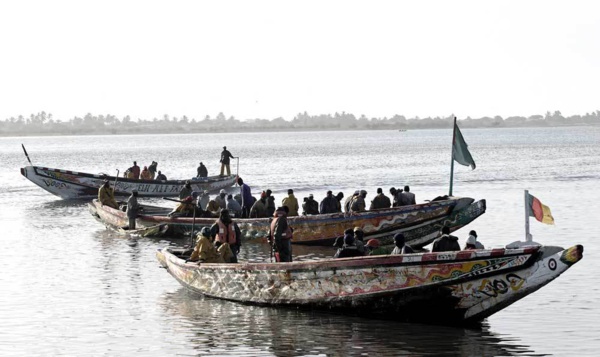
(448, 287)
(420, 223)
(71, 184)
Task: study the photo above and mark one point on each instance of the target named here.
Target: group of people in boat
(147, 173)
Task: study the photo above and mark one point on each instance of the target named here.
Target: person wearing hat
(225, 156)
(106, 195)
(226, 231)
(186, 190)
(310, 206)
(358, 203)
(280, 235)
(472, 242)
(270, 203)
(400, 246)
(446, 242)
(349, 200)
(133, 209)
(291, 202)
(205, 251)
(259, 208)
(380, 201)
(161, 176)
(374, 247)
(221, 199)
(202, 171)
(349, 249)
(328, 204)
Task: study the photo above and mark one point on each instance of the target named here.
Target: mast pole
(452, 157)
(528, 237)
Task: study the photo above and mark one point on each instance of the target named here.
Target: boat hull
(73, 185)
(449, 287)
(421, 224)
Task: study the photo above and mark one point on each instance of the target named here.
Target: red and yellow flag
(539, 211)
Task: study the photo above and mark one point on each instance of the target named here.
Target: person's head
(339, 196)
(201, 163)
(134, 193)
(224, 216)
(358, 233)
(356, 193)
(329, 193)
(205, 232)
(286, 209)
(135, 163)
(263, 195)
(348, 239)
(240, 181)
(311, 197)
(290, 192)
(145, 167)
(230, 196)
(399, 240)
(269, 192)
(188, 184)
(406, 189)
(194, 194)
(339, 242)
(393, 190)
(473, 233)
(363, 193)
(280, 211)
(305, 199)
(349, 231)
(106, 183)
(445, 230)
(224, 147)
(222, 193)
(471, 242)
(159, 172)
(372, 244)
(379, 190)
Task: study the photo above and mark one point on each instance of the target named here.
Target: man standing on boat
(270, 203)
(407, 198)
(329, 204)
(247, 199)
(225, 156)
(106, 195)
(132, 209)
(135, 170)
(280, 235)
(291, 202)
(358, 203)
(380, 201)
(446, 242)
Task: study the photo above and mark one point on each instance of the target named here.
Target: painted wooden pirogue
(449, 287)
(420, 223)
(71, 184)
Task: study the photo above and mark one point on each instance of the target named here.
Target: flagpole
(528, 237)
(452, 157)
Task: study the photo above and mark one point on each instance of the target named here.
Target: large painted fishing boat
(448, 287)
(69, 184)
(420, 223)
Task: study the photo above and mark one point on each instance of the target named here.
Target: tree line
(45, 124)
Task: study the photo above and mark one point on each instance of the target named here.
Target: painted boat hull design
(72, 185)
(421, 223)
(449, 287)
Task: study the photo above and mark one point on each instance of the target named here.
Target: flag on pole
(538, 210)
(460, 149)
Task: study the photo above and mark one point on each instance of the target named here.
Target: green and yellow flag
(538, 210)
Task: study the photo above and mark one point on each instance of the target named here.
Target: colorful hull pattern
(421, 223)
(72, 185)
(449, 287)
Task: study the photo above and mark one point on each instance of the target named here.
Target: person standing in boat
(152, 169)
(291, 202)
(186, 190)
(400, 245)
(224, 230)
(270, 203)
(329, 204)
(472, 242)
(349, 200)
(358, 203)
(247, 199)
(407, 198)
(106, 195)
(380, 201)
(225, 156)
(135, 171)
(161, 177)
(133, 209)
(202, 171)
(233, 206)
(310, 206)
(395, 196)
(145, 174)
(446, 242)
(339, 197)
(280, 235)
(259, 208)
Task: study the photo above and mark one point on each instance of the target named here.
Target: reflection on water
(220, 327)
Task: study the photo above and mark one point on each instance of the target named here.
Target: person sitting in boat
(161, 176)
(349, 200)
(374, 247)
(133, 209)
(202, 171)
(280, 234)
(310, 206)
(152, 169)
(358, 240)
(446, 242)
(213, 208)
(291, 203)
(407, 198)
(206, 252)
(221, 199)
(270, 203)
(380, 201)
(224, 230)
(186, 190)
(145, 174)
(233, 206)
(135, 171)
(339, 241)
(358, 203)
(328, 204)
(472, 242)
(339, 197)
(400, 245)
(185, 208)
(204, 199)
(106, 195)
(259, 208)
(349, 249)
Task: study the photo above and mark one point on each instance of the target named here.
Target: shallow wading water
(72, 287)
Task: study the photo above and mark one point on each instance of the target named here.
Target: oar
(115, 184)
(27, 155)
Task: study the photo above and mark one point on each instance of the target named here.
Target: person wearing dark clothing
(358, 203)
(358, 239)
(400, 246)
(247, 199)
(407, 198)
(329, 204)
(133, 209)
(135, 170)
(202, 171)
(446, 242)
(161, 177)
(310, 206)
(395, 196)
(270, 203)
(259, 208)
(225, 156)
(186, 190)
(349, 200)
(280, 235)
(224, 230)
(380, 201)
(339, 197)
(349, 249)
(152, 169)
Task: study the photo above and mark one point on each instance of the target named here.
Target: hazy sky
(278, 58)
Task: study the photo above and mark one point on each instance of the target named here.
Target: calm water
(71, 287)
